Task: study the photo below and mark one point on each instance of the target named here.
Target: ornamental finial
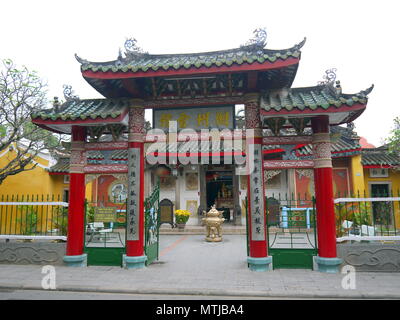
(300, 44)
(329, 77)
(132, 48)
(366, 92)
(80, 60)
(69, 93)
(259, 39)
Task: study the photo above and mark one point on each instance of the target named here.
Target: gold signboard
(105, 214)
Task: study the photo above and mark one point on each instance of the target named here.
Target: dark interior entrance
(219, 189)
(381, 210)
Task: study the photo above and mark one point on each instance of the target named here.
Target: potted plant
(181, 217)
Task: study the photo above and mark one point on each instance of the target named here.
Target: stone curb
(203, 292)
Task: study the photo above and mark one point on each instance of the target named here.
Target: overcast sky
(359, 38)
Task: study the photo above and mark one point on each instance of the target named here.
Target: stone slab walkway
(190, 266)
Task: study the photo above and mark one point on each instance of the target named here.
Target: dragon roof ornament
(259, 39)
(132, 49)
(69, 93)
(329, 77)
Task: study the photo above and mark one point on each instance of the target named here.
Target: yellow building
(36, 181)
(382, 179)
(39, 187)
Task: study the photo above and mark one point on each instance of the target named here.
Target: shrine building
(201, 150)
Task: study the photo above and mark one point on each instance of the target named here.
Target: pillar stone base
(133, 262)
(260, 264)
(327, 265)
(76, 261)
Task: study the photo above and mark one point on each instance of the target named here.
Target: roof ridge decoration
(329, 77)
(300, 44)
(259, 39)
(132, 49)
(134, 59)
(366, 92)
(80, 60)
(69, 93)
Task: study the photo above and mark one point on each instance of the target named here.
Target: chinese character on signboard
(220, 117)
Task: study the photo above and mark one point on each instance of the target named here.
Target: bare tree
(22, 92)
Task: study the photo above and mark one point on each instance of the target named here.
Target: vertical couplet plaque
(257, 198)
(133, 194)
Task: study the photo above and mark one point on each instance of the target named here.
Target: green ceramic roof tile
(143, 61)
(85, 109)
(119, 155)
(95, 154)
(346, 142)
(62, 166)
(374, 157)
(312, 98)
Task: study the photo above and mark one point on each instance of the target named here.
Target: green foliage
(89, 209)
(362, 214)
(60, 220)
(28, 220)
(393, 140)
(383, 212)
(358, 212)
(22, 93)
(3, 131)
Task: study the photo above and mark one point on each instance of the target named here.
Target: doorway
(381, 210)
(220, 191)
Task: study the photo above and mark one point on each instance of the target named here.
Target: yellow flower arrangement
(182, 216)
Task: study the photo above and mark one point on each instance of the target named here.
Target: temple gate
(109, 136)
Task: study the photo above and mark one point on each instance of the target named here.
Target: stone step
(192, 229)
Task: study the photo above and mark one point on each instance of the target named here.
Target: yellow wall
(35, 181)
(394, 180)
(357, 175)
(38, 183)
(88, 191)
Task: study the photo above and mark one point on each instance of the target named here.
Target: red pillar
(327, 256)
(76, 210)
(135, 257)
(258, 259)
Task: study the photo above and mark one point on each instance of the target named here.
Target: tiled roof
(62, 166)
(85, 110)
(95, 154)
(119, 155)
(311, 98)
(380, 157)
(134, 62)
(341, 145)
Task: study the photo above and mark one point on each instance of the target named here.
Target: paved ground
(191, 267)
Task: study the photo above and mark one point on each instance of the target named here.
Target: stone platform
(193, 229)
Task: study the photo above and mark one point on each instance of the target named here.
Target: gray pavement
(190, 267)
